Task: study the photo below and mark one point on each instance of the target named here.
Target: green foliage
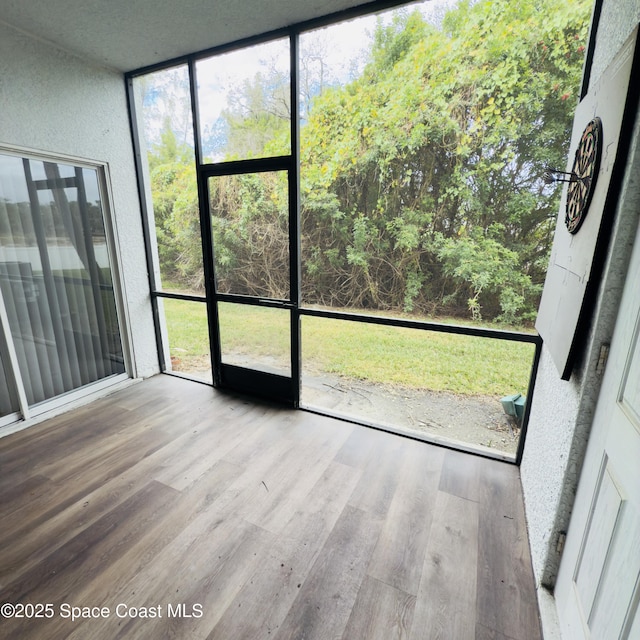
(486, 270)
(169, 151)
(421, 180)
(257, 119)
(175, 208)
(250, 233)
(435, 157)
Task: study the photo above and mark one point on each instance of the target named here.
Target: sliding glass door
(58, 315)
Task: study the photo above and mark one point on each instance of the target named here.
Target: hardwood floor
(176, 511)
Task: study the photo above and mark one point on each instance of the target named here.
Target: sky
(344, 43)
(341, 46)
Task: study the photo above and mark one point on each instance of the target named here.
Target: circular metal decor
(584, 175)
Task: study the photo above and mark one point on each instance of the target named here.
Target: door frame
(605, 445)
(280, 388)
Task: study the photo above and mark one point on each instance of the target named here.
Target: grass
(392, 355)
(415, 358)
(187, 327)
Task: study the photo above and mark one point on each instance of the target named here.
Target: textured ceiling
(130, 34)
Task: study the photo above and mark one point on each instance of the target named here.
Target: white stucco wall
(56, 103)
(562, 412)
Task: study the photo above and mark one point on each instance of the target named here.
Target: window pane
(255, 337)
(56, 278)
(187, 337)
(165, 129)
(425, 135)
(443, 386)
(250, 226)
(245, 104)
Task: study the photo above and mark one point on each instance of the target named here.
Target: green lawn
(406, 357)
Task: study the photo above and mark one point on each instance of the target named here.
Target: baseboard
(548, 615)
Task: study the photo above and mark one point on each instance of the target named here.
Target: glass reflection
(55, 277)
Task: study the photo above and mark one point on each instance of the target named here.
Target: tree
(175, 210)
(249, 216)
(430, 164)
(258, 116)
(422, 183)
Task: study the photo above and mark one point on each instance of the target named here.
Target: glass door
(248, 184)
(59, 324)
(249, 213)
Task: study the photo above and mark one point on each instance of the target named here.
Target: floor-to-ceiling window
(355, 214)
(58, 316)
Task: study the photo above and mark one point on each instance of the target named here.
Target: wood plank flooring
(171, 510)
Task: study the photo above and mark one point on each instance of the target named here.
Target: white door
(598, 585)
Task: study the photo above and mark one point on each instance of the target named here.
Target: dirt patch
(477, 421)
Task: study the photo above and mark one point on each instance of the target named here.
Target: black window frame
(292, 162)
